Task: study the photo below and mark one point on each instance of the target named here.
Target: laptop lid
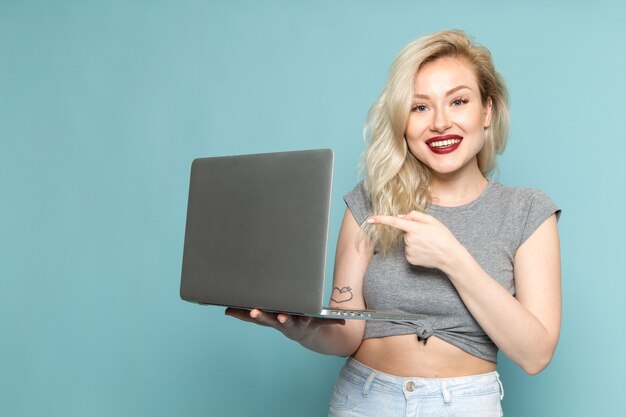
(257, 231)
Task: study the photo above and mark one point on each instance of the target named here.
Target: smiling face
(445, 129)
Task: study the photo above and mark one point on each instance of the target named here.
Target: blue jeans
(361, 391)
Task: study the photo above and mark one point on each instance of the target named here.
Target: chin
(444, 170)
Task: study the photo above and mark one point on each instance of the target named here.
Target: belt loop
(446, 394)
(501, 387)
(368, 383)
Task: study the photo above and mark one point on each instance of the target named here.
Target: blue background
(103, 105)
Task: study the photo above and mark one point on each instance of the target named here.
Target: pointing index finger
(393, 221)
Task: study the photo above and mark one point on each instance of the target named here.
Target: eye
(419, 108)
(459, 101)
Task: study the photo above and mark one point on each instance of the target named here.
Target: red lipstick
(444, 144)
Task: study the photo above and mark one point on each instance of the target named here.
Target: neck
(456, 190)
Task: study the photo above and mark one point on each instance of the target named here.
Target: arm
(525, 327)
(351, 260)
(328, 336)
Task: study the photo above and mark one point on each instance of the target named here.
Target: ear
(487, 112)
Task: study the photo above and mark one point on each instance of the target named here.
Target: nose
(440, 121)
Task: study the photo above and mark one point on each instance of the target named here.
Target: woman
(428, 232)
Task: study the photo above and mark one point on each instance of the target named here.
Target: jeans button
(410, 386)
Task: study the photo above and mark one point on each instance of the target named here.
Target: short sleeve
(539, 207)
(358, 203)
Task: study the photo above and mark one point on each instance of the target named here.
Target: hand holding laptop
(294, 327)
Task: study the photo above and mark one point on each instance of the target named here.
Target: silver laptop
(256, 234)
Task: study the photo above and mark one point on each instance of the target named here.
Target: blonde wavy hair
(394, 180)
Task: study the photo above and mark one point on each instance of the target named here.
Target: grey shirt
(491, 228)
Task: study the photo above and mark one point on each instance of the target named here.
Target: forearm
(513, 328)
(351, 260)
(335, 339)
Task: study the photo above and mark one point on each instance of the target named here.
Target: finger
(393, 221)
(307, 320)
(264, 318)
(243, 315)
(285, 319)
(238, 313)
(253, 316)
(417, 216)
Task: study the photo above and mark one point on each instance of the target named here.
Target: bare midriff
(405, 356)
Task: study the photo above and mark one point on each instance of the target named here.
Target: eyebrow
(454, 90)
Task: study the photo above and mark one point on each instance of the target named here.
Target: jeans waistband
(370, 378)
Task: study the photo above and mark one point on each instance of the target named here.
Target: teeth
(444, 143)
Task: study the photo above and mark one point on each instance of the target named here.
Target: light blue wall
(103, 104)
